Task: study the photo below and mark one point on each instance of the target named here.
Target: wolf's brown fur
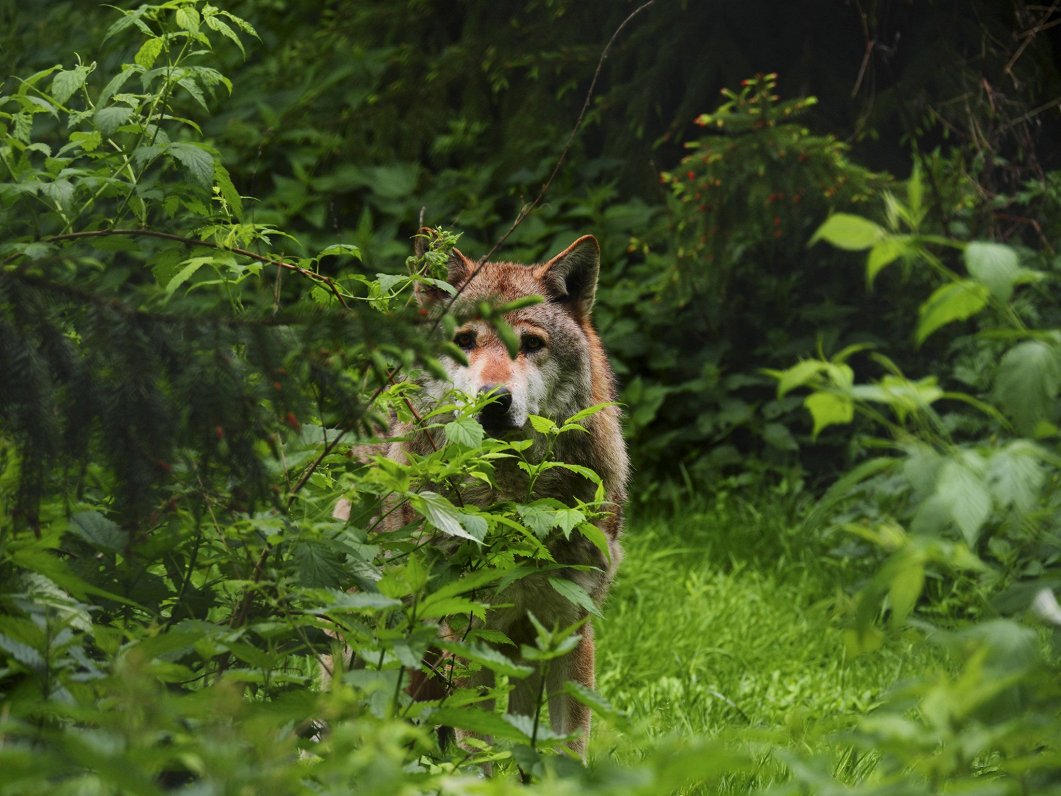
(561, 369)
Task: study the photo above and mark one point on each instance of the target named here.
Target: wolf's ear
(458, 269)
(571, 276)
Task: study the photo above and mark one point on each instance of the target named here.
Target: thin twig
(530, 208)
(154, 233)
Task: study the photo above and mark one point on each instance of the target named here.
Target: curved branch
(154, 233)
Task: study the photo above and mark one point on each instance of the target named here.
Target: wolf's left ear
(571, 276)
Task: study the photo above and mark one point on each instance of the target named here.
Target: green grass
(726, 620)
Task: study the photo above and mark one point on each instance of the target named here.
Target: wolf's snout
(495, 415)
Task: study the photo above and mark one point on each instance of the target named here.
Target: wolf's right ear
(458, 269)
(571, 276)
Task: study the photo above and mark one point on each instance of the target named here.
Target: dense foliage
(207, 322)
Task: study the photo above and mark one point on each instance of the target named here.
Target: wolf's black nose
(495, 414)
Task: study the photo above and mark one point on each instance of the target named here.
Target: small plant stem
(540, 704)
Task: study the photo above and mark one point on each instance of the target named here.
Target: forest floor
(728, 622)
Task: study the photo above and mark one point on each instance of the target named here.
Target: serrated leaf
(65, 83)
(829, 409)
(590, 698)
(61, 192)
(846, 231)
(359, 601)
(131, 18)
(488, 658)
(574, 594)
(597, 538)
(478, 721)
(994, 265)
(187, 18)
(954, 301)
(88, 142)
(449, 606)
(464, 432)
(186, 272)
(107, 120)
(318, 565)
(963, 494)
(221, 27)
(21, 652)
(1027, 383)
(588, 412)
(543, 425)
(344, 250)
(1016, 475)
(196, 161)
(98, 531)
(148, 53)
(540, 519)
(228, 191)
(444, 516)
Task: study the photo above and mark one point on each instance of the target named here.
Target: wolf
(560, 369)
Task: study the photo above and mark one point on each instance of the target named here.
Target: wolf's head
(558, 369)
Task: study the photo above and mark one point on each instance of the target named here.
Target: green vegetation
(837, 334)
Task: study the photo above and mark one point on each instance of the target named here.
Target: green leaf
(954, 301)
(444, 516)
(449, 606)
(187, 18)
(507, 334)
(487, 657)
(538, 517)
(196, 161)
(963, 494)
(575, 594)
(65, 83)
(1016, 475)
(589, 411)
(778, 436)
(797, 376)
(107, 120)
(597, 538)
(478, 721)
(184, 274)
(905, 589)
(228, 191)
(358, 601)
(19, 650)
(98, 531)
(464, 432)
(87, 142)
(1027, 383)
(543, 425)
(318, 565)
(885, 253)
(994, 265)
(829, 409)
(346, 250)
(590, 699)
(223, 28)
(846, 231)
(148, 53)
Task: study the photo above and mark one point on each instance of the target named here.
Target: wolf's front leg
(567, 715)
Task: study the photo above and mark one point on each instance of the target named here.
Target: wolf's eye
(532, 343)
(465, 340)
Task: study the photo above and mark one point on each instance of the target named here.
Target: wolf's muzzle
(497, 415)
